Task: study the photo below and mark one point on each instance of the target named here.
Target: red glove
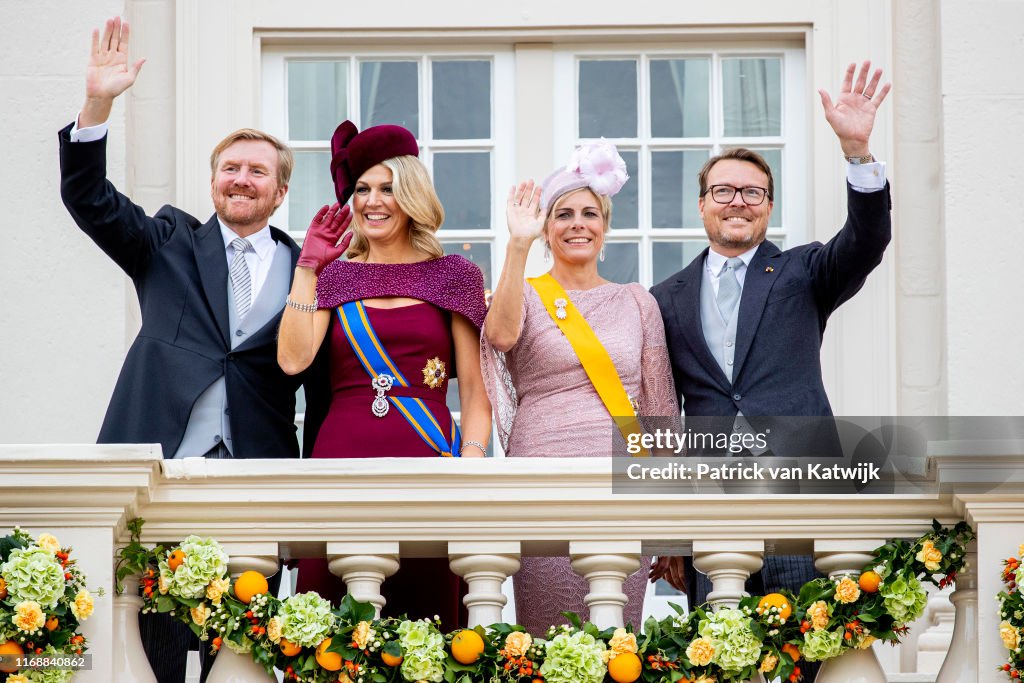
(321, 245)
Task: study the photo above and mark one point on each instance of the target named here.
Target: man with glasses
(745, 319)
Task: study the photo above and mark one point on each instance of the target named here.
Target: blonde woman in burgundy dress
(544, 402)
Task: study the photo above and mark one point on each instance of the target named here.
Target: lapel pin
(769, 269)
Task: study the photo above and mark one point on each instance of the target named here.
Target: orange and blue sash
(379, 366)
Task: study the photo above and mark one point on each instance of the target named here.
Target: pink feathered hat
(596, 165)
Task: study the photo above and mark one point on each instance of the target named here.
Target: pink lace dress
(545, 406)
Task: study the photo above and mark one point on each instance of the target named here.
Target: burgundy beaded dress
(545, 406)
(414, 337)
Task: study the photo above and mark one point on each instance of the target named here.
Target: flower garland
(311, 642)
(1011, 615)
(43, 599)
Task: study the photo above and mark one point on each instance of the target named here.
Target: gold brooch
(434, 373)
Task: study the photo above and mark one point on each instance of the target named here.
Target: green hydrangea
(423, 665)
(820, 645)
(904, 598)
(48, 675)
(34, 574)
(736, 646)
(419, 635)
(306, 619)
(241, 649)
(205, 560)
(575, 658)
(423, 649)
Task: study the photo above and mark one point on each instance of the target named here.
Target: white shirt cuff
(90, 134)
(866, 177)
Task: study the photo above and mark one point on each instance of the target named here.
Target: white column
(363, 567)
(846, 558)
(484, 565)
(605, 566)
(961, 663)
(933, 643)
(130, 664)
(728, 564)
(230, 667)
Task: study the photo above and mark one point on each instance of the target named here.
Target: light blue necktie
(729, 288)
(241, 280)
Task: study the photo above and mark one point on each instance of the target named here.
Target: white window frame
(794, 138)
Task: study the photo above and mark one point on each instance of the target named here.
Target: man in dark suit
(201, 377)
(745, 320)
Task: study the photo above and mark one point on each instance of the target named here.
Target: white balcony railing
(365, 515)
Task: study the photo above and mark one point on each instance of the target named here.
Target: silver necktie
(729, 288)
(241, 281)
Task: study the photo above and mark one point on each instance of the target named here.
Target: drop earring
(600, 255)
(547, 251)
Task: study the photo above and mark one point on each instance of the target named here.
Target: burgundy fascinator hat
(354, 153)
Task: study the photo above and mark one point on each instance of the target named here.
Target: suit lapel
(213, 273)
(763, 272)
(687, 312)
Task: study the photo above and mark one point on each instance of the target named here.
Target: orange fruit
(390, 659)
(792, 650)
(249, 585)
(175, 559)
(52, 624)
(869, 582)
(288, 648)
(624, 668)
(3, 588)
(467, 646)
(328, 660)
(777, 600)
(11, 649)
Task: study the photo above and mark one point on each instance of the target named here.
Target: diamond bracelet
(305, 308)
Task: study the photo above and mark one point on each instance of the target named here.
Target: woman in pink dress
(543, 399)
(400, 317)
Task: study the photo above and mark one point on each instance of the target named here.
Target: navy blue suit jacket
(179, 270)
(787, 298)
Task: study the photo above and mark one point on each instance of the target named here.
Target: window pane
(671, 257)
(607, 98)
(477, 252)
(626, 205)
(310, 188)
(674, 188)
(679, 98)
(752, 96)
(389, 93)
(462, 100)
(620, 262)
(317, 99)
(774, 159)
(463, 182)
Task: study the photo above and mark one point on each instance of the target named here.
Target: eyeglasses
(723, 194)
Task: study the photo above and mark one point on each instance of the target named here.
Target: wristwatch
(866, 159)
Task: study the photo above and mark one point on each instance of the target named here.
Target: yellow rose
(517, 643)
(343, 678)
(865, 642)
(48, 542)
(622, 642)
(83, 605)
(215, 591)
(164, 585)
(847, 590)
(16, 678)
(1010, 636)
(199, 614)
(1020, 550)
(274, 629)
(705, 679)
(818, 612)
(29, 616)
(768, 664)
(700, 651)
(930, 556)
(362, 634)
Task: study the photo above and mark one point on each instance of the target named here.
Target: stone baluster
(961, 660)
(605, 566)
(230, 667)
(130, 664)
(846, 558)
(485, 566)
(933, 643)
(363, 567)
(728, 564)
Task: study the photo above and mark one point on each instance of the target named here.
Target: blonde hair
(603, 201)
(285, 158)
(415, 195)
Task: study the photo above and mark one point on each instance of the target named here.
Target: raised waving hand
(852, 115)
(109, 72)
